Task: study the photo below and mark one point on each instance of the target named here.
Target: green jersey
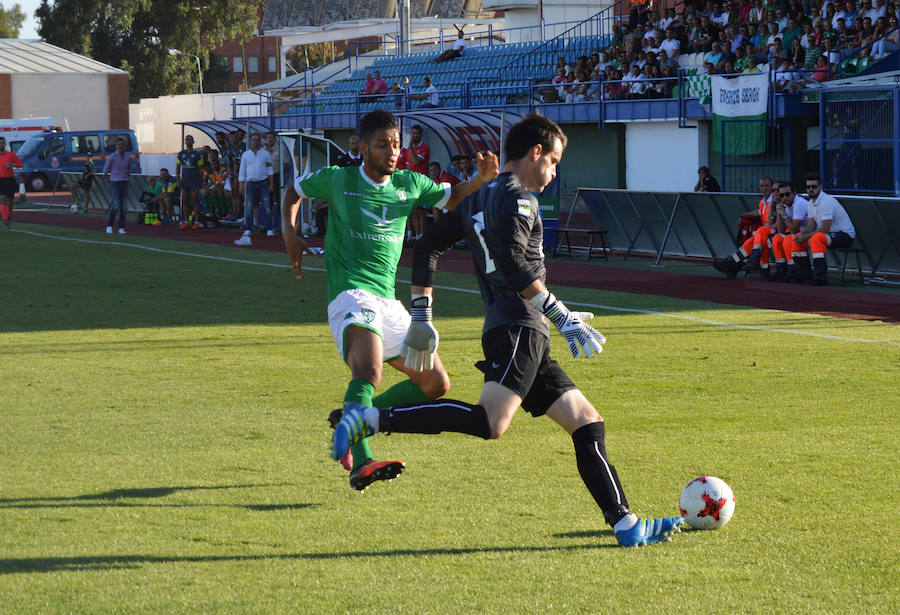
(367, 223)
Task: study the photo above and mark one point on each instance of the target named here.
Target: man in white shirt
(430, 96)
(256, 179)
(459, 46)
(671, 45)
(828, 226)
(791, 213)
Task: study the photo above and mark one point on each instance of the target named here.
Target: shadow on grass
(118, 562)
(113, 499)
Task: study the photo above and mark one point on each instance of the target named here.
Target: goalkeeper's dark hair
(376, 120)
(534, 129)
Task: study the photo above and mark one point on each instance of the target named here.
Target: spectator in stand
(706, 182)
(708, 34)
(459, 46)
(370, 85)
(256, 180)
(808, 38)
(822, 70)
(379, 87)
(631, 86)
(714, 57)
(397, 93)
(430, 96)
(736, 37)
(672, 46)
(752, 66)
(832, 54)
(865, 34)
(887, 37)
(719, 16)
(786, 80)
(728, 56)
(777, 53)
(669, 21)
(797, 54)
(593, 90)
(118, 167)
(791, 32)
(829, 226)
(757, 14)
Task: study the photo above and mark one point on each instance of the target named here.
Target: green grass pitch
(163, 448)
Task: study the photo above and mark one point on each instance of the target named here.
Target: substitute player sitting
(369, 206)
(503, 227)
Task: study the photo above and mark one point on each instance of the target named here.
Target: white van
(16, 132)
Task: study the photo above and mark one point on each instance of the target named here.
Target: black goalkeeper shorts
(519, 358)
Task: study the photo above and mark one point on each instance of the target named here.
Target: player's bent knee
(437, 384)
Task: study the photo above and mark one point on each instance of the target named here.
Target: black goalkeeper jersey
(502, 224)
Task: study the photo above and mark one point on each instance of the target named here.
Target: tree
(11, 21)
(135, 35)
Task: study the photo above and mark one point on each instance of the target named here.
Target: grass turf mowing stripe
(596, 306)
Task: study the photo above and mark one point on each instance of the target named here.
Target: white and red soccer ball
(707, 503)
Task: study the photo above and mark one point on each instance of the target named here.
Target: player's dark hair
(534, 129)
(416, 126)
(376, 120)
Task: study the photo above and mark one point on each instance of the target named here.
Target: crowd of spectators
(803, 41)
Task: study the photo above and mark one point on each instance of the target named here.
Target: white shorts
(386, 317)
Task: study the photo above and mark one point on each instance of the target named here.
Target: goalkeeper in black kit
(503, 227)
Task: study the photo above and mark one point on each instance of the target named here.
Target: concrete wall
(153, 119)
(661, 156)
(83, 100)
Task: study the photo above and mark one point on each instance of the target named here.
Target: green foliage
(138, 34)
(163, 449)
(11, 21)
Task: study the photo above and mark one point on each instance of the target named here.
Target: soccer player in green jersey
(368, 209)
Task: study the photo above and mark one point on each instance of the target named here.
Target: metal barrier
(100, 197)
(704, 224)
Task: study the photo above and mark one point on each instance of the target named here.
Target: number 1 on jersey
(489, 266)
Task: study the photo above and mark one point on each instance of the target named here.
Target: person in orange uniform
(733, 263)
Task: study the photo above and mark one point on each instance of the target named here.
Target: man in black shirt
(503, 227)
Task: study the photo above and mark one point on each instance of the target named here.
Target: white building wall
(661, 156)
(153, 119)
(525, 13)
(80, 100)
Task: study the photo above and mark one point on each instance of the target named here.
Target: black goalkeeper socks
(435, 417)
(598, 474)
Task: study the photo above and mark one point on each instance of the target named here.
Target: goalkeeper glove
(421, 338)
(583, 339)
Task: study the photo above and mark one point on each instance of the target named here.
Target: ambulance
(16, 132)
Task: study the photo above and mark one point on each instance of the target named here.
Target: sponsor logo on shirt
(524, 207)
(401, 194)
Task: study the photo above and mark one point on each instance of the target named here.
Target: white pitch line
(597, 306)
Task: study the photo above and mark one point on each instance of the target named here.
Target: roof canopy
(34, 56)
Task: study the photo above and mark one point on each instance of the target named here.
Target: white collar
(370, 181)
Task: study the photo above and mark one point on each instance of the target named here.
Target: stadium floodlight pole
(177, 52)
